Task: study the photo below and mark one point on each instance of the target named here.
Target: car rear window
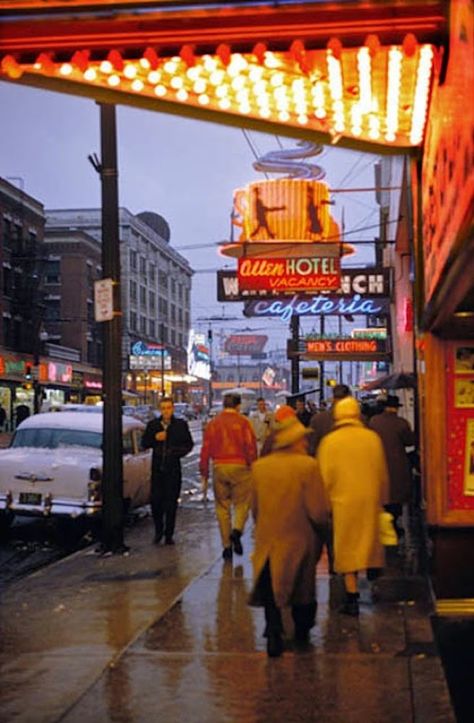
(45, 438)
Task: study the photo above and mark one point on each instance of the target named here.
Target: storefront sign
(199, 361)
(245, 343)
(369, 333)
(316, 305)
(339, 349)
(13, 366)
(55, 372)
(142, 348)
(291, 274)
(373, 281)
(149, 361)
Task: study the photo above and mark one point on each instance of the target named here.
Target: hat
(288, 428)
(347, 408)
(392, 401)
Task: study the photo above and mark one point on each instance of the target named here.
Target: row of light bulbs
(274, 88)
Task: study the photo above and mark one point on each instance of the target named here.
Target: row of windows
(151, 329)
(148, 273)
(179, 314)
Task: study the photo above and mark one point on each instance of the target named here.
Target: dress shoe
(227, 553)
(301, 635)
(169, 541)
(274, 645)
(235, 536)
(351, 606)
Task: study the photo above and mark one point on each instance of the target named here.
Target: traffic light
(28, 374)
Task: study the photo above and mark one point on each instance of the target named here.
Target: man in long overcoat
(170, 439)
(288, 501)
(354, 472)
(396, 434)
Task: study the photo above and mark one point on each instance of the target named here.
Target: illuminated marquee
(289, 275)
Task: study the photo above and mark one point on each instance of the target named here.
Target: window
(173, 337)
(152, 329)
(51, 272)
(152, 301)
(142, 296)
(7, 232)
(180, 339)
(163, 280)
(173, 312)
(143, 266)
(51, 311)
(133, 290)
(7, 281)
(152, 273)
(173, 288)
(133, 259)
(163, 305)
(180, 315)
(143, 324)
(133, 320)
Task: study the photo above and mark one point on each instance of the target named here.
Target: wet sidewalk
(166, 634)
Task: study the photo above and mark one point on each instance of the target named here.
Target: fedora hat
(392, 401)
(288, 428)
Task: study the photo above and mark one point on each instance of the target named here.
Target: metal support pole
(321, 364)
(162, 340)
(112, 476)
(295, 360)
(209, 339)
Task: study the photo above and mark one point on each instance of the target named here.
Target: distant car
(184, 410)
(53, 467)
(144, 412)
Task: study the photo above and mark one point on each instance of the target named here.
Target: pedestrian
(355, 475)
(22, 412)
(170, 439)
(303, 414)
(323, 421)
(3, 418)
(230, 442)
(288, 503)
(262, 421)
(396, 434)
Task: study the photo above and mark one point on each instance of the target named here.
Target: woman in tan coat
(288, 500)
(354, 471)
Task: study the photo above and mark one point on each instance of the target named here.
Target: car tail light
(95, 474)
(94, 491)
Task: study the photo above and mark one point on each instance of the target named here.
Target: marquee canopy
(355, 73)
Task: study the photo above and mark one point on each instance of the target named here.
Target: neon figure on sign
(316, 305)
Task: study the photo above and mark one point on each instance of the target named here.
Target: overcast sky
(184, 170)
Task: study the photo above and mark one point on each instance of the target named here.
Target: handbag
(387, 533)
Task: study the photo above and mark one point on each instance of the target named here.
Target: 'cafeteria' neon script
(315, 305)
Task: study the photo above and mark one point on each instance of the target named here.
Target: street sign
(104, 300)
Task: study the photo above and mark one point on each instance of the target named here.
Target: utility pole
(209, 340)
(112, 473)
(295, 359)
(321, 364)
(162, 339)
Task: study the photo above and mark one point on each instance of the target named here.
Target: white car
(53, 467)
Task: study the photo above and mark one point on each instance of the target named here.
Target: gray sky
(183, 169)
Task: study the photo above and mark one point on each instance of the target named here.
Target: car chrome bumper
(58, 508)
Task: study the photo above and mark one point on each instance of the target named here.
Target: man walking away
(230, 442)
(262, 421)
(396, 434)
(288, 500)
(170, 439)
(323, 422)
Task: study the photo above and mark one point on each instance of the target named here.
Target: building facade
(156, 294)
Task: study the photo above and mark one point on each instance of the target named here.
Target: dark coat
(321, 424)
(166, 465)
(396, 434)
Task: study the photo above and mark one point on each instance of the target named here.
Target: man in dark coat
(170, 439)
(396, 434)
(322, 422)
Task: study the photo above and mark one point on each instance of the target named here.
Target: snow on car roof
(75, 420)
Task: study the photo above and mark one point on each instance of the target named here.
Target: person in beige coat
(354, 472)
(288, 502)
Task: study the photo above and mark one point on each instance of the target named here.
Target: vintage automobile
(53, 467)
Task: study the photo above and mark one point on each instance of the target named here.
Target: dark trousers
(164, 504)
(303, 615)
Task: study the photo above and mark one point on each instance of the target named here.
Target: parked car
(184, 410)
(53, 467)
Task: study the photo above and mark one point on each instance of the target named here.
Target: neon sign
(290, 274)
(316, 305)
(337, 349)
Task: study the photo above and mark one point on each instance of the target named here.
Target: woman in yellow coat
(354, 472)
(288, 502)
